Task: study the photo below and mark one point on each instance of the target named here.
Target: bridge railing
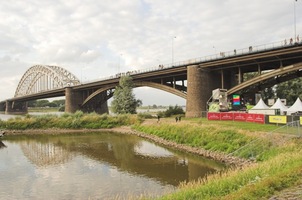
(218, 56)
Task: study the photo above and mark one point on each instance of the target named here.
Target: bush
(69, 121)
(176, 110)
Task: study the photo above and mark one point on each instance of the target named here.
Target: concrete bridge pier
(97, 104)
(74, 100)
(2, 106)
(16, 108)
(200, 84)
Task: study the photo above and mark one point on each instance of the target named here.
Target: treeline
(46, 103)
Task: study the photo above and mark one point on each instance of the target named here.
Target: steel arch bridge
(41, 78)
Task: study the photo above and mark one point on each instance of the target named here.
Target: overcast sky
(97, 38)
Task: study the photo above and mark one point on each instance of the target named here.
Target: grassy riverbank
(277, 161)
(78, 120)
(278, 166)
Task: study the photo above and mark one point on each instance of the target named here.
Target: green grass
(238, 125)
(225, 138)
(259, 181)
(279, 158)
(77, 120)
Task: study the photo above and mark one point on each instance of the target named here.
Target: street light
(295, 20)
(173, 49)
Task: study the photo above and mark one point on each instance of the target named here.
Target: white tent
(261, 108)
(260, 105)
(297, 106)
(279, 105)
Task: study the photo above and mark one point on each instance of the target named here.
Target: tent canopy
(297, 106)
(260, 105)
(279, 105)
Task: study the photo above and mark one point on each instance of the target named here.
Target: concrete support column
(73, 100)
(200, 84)
(17, 108)
(9, 107)
(240, 76)
(2, 107)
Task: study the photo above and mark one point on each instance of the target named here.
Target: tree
(267, 93)
(290, 90)
(60, 102)
(174, 111)
(42, 103)
(32, 103)
(123, 98)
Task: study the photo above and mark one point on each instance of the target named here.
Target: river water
(98, 165)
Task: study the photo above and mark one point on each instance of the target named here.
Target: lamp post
(295, 26)
(295, 20)
(173, 49)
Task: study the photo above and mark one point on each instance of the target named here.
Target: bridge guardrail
(218, 56)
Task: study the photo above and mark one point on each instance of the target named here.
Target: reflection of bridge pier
(45, 154)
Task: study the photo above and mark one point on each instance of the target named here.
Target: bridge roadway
(193, 80)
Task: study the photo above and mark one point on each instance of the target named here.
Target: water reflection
(2, 145)
(102, 165)
(44, 154)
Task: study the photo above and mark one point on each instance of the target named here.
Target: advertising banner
(250, 117)
(259, 118)
(244, 117)
(226, 116)
(240, 117)
(277, 119)
(213, 116)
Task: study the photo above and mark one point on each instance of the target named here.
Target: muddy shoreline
(229, 160)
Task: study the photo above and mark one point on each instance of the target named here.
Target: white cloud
(131, 35)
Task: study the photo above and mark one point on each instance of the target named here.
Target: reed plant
(257, 181)
(68, 121)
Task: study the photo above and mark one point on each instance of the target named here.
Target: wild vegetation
(68, 121)
(176, 110)
(278, 163)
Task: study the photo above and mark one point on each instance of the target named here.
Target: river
(98, 165)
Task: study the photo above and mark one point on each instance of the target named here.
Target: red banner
(250, 117)
(240, 117)
(213, 116)
(259, 118)
(244, 117)
(226, 116)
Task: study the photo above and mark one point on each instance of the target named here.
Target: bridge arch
(138, 84)
(271, 78)
(40, 78)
